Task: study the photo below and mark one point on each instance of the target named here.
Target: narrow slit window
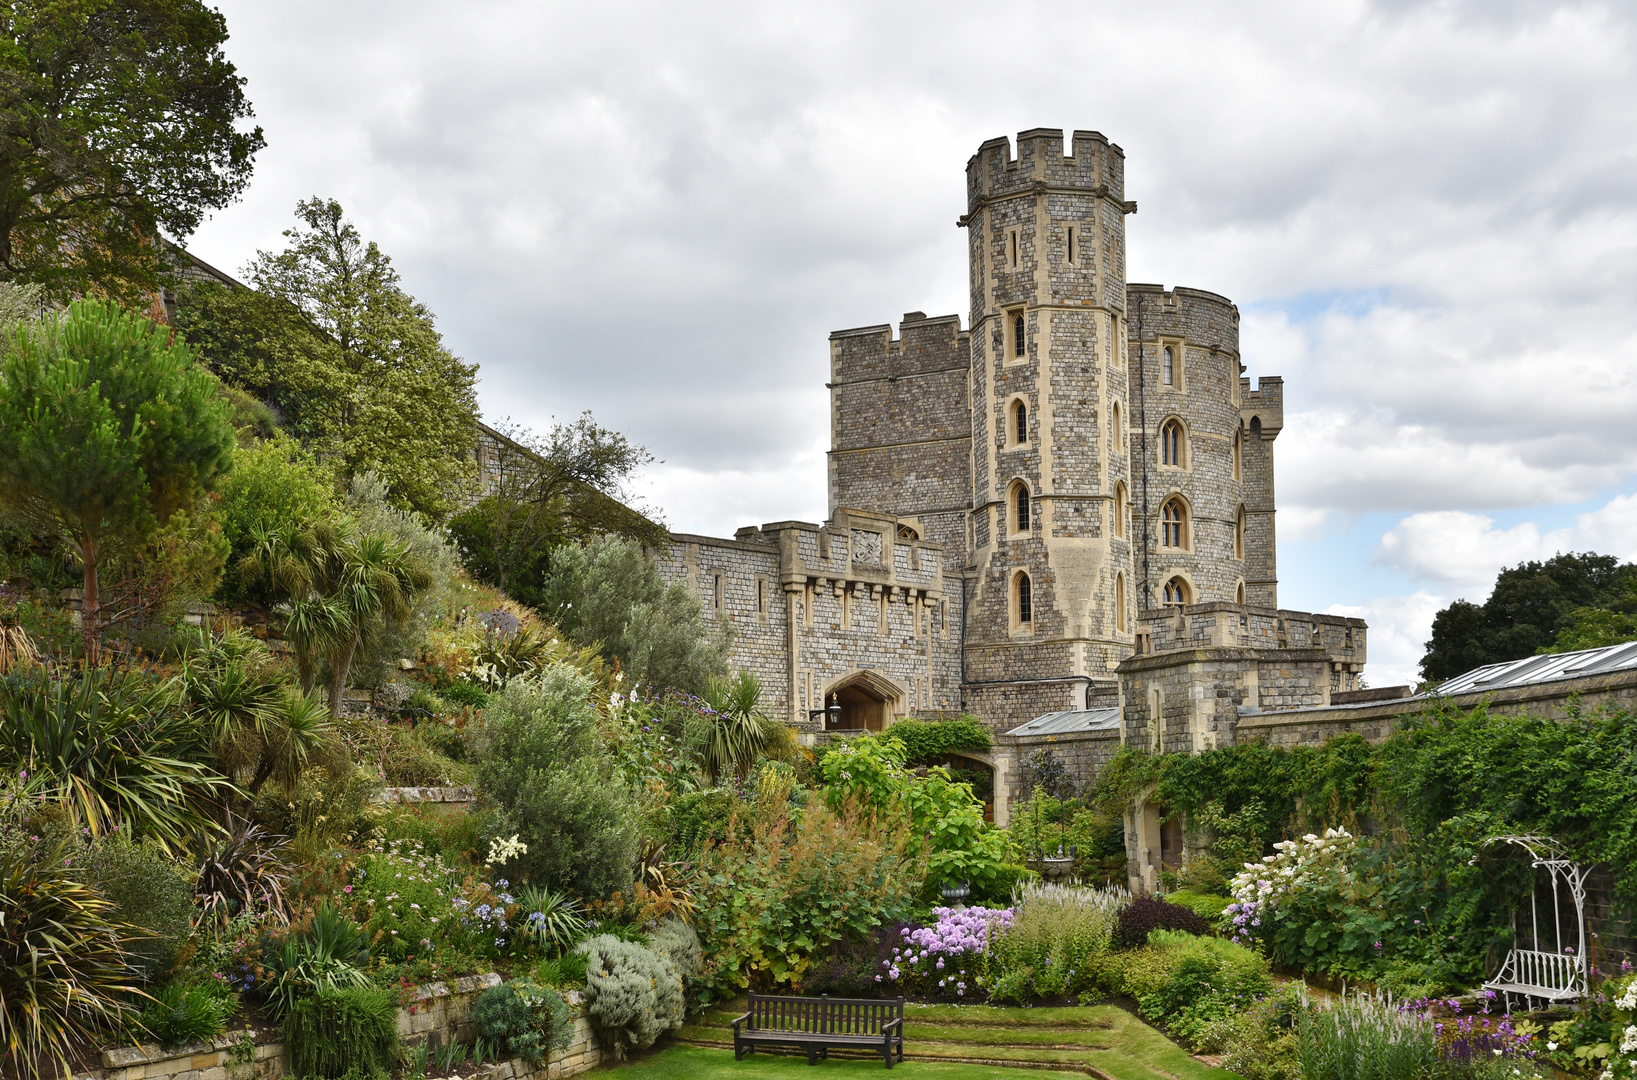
(1011, 249)
(1119, 602)
(1020, 500)
(1018, 337)
(1020, 423)
(1118, 524)
(1070, 245)
(1168, 366)
(1025, 600)
(761, 596)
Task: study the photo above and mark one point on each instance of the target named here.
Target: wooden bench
(818, 1023)
(1555, 978)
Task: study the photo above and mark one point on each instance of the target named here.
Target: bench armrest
(737, 1020)
(890, 1024)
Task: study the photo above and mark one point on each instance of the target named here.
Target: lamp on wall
(831, 715)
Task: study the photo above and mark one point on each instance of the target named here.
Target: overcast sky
(658, 212)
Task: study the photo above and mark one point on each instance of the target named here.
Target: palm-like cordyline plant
(114, 748)
(63, 971)
(737, 734)
(239, 869)
(375, 581)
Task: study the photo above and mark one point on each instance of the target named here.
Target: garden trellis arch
(1559, 975)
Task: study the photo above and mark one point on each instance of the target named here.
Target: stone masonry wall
(1083, 754)
(437, 1015)
(738, 584)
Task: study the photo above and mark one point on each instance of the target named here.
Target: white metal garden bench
(1553, 977)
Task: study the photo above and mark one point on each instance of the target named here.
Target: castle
(1059, 519)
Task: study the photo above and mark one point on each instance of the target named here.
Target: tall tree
(354, 365)
(118, 118)
(107, 430)
(1530, 605)
(570, 485)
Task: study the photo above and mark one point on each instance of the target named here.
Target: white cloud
(1399, 627)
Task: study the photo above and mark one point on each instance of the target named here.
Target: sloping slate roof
(1064, 723)
(1539, 669)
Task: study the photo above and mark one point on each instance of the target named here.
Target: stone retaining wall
(436, 1015)
(425, 794)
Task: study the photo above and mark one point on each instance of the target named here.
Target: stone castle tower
(1062, 514)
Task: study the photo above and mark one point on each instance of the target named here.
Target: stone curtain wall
(758, 635)
(1083, 754)
(900, 425)
(436, 1015)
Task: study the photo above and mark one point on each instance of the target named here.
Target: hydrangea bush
(1301, 890)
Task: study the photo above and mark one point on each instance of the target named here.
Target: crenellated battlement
(1265, 406)
(1091, 165)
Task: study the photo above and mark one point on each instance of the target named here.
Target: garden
(288, 764)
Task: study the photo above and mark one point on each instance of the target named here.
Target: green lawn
(962, 1042)
(690, 1062)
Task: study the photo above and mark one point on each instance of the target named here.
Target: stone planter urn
(956, 892)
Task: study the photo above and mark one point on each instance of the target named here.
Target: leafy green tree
(1593, 628)
(353, 364)
(608, 592)
(1532, 602)
(274, 484)
(118, 118)
(566, 487)
(107, 430)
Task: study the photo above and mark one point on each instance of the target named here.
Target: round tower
(1052, 597)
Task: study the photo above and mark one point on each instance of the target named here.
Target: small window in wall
(1173, 444)
(1020, 424)
(1025, 600)
(1020, 509)
(1117, 526)
(1239, 534)
(716, 591)
(1236, 466)
(1168, 366)
(1119, 602)
(1012, 253)
(1070, 238)
(907, 533)
(761, 595)
(1239, 594)
(1117, 428)
(1020, 340)
(1175, 594)
(1174, 524)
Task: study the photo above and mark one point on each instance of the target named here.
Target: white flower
(1629, 1042)
(503, 850)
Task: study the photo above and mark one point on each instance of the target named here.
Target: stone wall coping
(463, 985)
(1215, 653)
(123, 1057)
(1064, 737)
(1373, 710)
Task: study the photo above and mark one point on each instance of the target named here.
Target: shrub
(150, 892)
(1048, 947)
(610, 592)
(566, 972)
(633, 995)
(944, 959)
(63, 976)
(1207, 980)
(1145, 914)
(544, 777)
(184, 1012)
(1258, 1041)
(329, 953)
(792, 887)
(274, 484)
(338, 1030)
(699, 817)
(411, 903)
(1207, 907)
(446, 830)
(465, 695)
(678, 943)
(523, 1019)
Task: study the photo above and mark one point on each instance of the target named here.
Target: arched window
(1239, 594)
(1119, 602)
(1239, 535)
(1176, 593)
(1168, 366)
(1173, 445)
(1020, 508)
(1025, 600)
(1018, 342)
(1117, 526)
(907, 533)
(1174, 524)
(1020, 423)
(1119, 433)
